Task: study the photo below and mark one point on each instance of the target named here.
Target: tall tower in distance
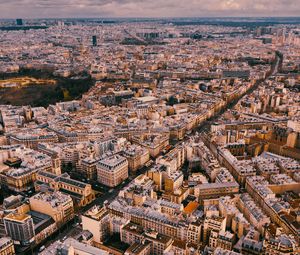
(94, 40)
(19, 22)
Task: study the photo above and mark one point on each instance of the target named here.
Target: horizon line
(163, 17)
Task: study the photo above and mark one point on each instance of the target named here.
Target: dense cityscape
(150, 136)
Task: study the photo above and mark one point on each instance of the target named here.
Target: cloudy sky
(146, 8)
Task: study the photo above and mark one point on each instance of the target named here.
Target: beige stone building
(97, 221)
(154, 143)
(137, 157)
(112, 171)
(57, 205)
(6, 246)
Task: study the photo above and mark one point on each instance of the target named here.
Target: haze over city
(147, 8)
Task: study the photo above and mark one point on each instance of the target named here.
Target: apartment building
(7, 246)
(97, 221)
(112, 171)
(57, 205)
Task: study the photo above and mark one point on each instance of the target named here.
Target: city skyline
(149, 135)
(147, 9)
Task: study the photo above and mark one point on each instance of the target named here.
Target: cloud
(146, 8)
